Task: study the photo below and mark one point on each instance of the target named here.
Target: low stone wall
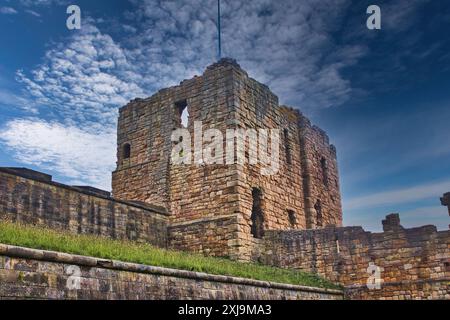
(33, 198)
(397, 258)
(35, 274)
(406, 290)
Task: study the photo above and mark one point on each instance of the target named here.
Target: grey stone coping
(60, 257)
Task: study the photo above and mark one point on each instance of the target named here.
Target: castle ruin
(224, 209)
(291, 219)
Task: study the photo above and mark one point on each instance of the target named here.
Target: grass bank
(87, 245)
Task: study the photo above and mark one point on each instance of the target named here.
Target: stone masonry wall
(33, 200)
(207, 190)
(410, 256)
(406, 290)
(191, 192)
(216, 236)
(320, 177)
(144, 125)
(302, 194)
(258, 108)
(36, 274)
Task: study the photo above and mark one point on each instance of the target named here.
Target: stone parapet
(37, 274)
(354, 257)
(32, 200)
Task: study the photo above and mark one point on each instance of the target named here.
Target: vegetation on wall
(89, 245)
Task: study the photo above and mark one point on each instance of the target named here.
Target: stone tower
(221, 209)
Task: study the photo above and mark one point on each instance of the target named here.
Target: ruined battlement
(304, 193)
(290, 218)
(411, 263)
(225, 62)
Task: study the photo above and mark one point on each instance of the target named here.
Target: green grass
(87, 245)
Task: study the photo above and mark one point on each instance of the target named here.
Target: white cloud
(33, 13)
(83, 80)
(426, 213)
(287, 45)
(400, 14)
(35, 3)
(418, 217)
(399, 196)
(8, 10)
(68, 150)
(80, 84)
(10, 99)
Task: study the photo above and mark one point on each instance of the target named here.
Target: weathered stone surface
(412, 259)
(407, 290)
(214, 236)
(48, 275)
(27, 199)
(303, 194)
(211, 208)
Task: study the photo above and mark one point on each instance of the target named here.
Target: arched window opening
(257, 214)
(319, 217)
(292, 218)
(183, 113)
(324, 166)
(126, 151)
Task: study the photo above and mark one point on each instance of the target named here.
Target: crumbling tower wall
(224, 209)
(321, 188)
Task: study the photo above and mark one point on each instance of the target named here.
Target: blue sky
(383, 96)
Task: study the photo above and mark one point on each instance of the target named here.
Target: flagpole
(219, 30)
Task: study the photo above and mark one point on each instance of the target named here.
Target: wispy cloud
(399, 196)
(431, 215)
(35, 3)
(400, 14)
(70, 151)
(79, 87)
(33, 13)
(287, 45)
(8, 10)
(10, 99)
(84, 79)
(409, 218)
